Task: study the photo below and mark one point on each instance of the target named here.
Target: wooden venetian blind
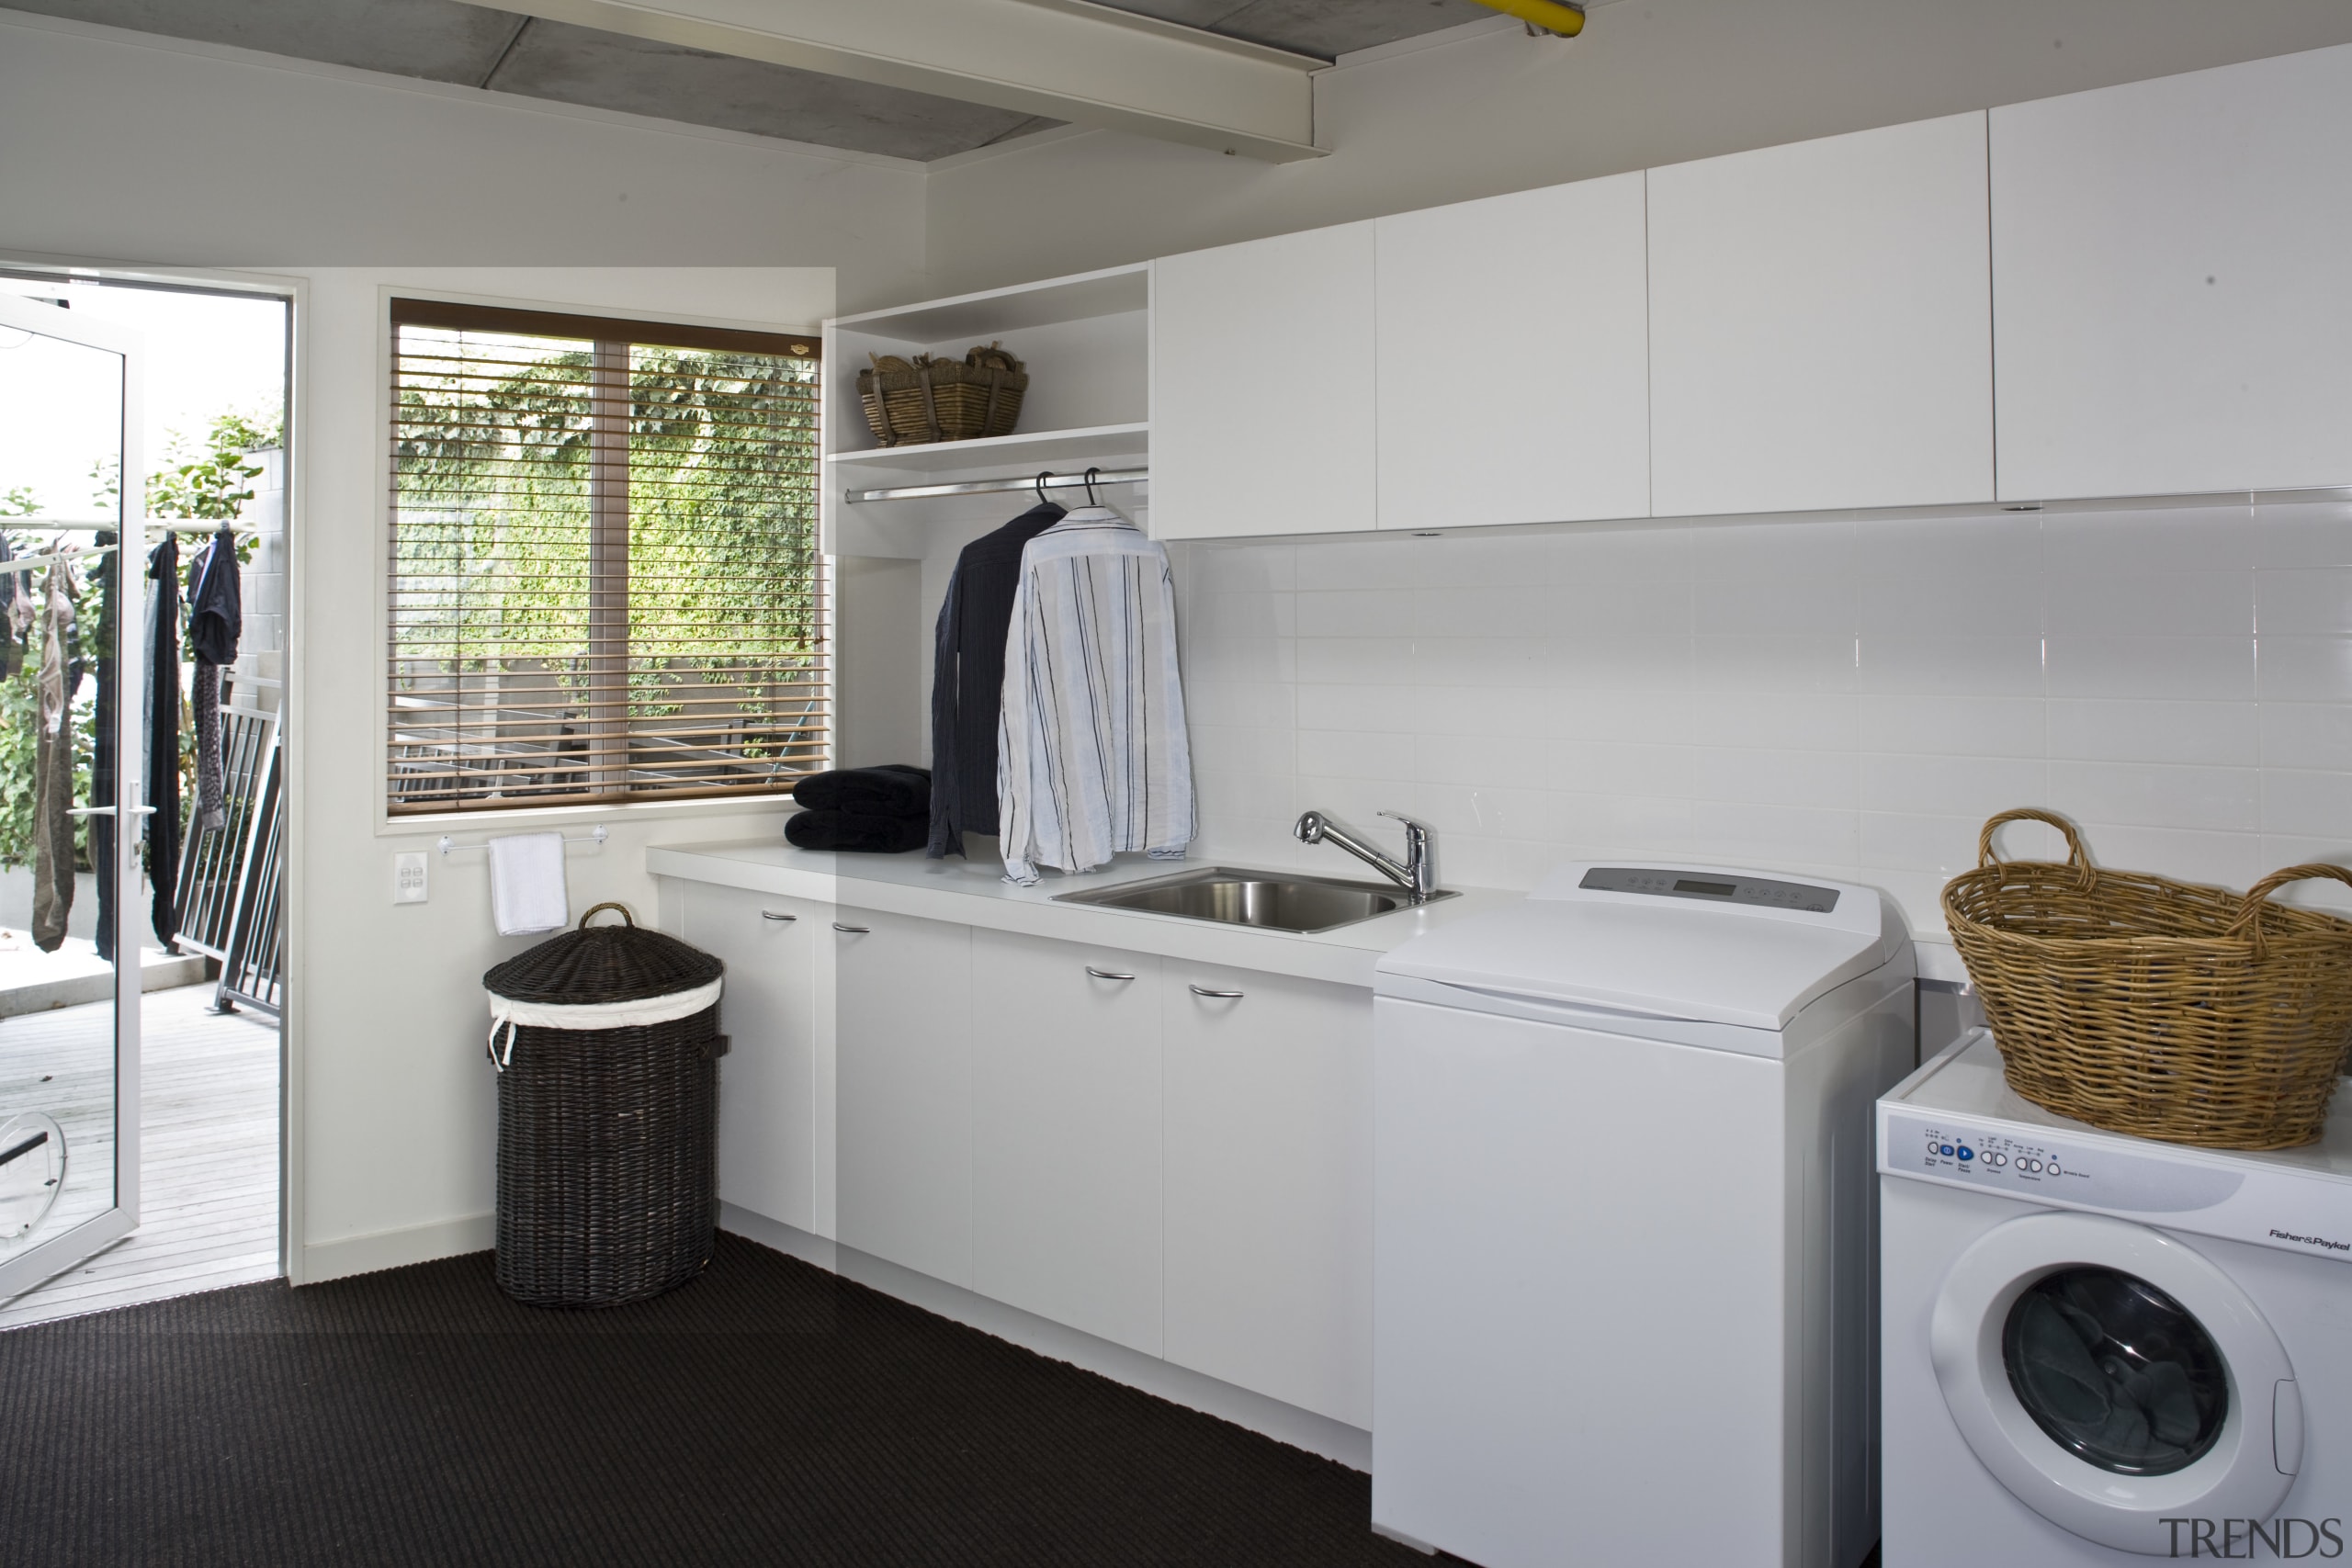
(605, 584)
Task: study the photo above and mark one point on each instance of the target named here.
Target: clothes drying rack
(60, 525)
(1040, 483)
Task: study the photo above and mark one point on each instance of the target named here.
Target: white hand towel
(527, 891)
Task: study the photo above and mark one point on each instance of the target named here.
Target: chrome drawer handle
(853, 931)
(1216, 995)
(1107, 973)
(772, 915)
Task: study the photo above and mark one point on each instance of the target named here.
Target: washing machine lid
(1956, 1123)
(1706, 944)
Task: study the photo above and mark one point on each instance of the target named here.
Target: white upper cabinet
(1821, 324)
(2172, 264)
(1262, 386)
(1513, 340)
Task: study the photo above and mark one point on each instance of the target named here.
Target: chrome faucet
(1417, 874)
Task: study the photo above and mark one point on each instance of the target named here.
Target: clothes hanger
(1089, 487)
(1040, 482)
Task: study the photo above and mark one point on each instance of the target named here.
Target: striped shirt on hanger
(1091, 754)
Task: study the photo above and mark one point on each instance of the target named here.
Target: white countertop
(974, 893)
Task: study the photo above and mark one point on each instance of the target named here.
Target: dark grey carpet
(768, 1413)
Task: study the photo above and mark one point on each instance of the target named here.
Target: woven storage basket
(912, 402)
(2163, 1008)
(607, 1040)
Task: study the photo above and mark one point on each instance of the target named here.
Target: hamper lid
(603, 963)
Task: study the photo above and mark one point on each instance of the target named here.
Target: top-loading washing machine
(1623, 1220)
(2102, 1348)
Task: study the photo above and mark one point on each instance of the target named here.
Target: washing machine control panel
(1726, 887)
(2051, 1169)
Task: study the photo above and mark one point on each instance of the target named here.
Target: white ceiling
(445, 41)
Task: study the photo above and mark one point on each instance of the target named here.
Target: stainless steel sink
(1271, 900)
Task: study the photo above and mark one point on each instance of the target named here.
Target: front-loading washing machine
(2101, 1348)
(1622, 1220)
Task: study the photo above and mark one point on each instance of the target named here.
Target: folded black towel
(857, 831)
(893, 789)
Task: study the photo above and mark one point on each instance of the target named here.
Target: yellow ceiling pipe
(1550, 15)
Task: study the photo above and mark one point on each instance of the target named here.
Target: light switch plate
(408, 878)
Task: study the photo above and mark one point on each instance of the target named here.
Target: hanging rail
(594, 836)
(27, 563)
(1045, 481)
(81, 525)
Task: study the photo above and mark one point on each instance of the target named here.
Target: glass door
(72, 681)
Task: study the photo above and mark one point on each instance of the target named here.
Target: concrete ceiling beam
(1061, 59)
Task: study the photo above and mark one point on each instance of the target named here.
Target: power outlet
(408, 878)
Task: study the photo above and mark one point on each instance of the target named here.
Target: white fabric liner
(508, 1014)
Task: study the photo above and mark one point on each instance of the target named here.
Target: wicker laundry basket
(926, 398)
(2163, 1008)
(606, 1042)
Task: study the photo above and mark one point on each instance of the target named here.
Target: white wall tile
(2310, 601)
(2306, 670)
(1954, 726)
(2309, 805)
(1831, 697)
(2104, 729)
(1775, 777)
(1931, 665)
(1971, 787)
(2307, 735)
(2153, 667)
(2149, 794)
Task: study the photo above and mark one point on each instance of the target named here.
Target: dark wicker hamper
(607, 1114)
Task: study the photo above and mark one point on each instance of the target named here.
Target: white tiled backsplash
(1846, 698)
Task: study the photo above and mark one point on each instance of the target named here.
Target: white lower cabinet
(770, 1146)
(1269, 1185)
(903, 1115)
(1066, 1114)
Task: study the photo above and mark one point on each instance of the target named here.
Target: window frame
(402, 306)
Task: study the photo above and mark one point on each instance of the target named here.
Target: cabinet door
(2174, 292)
(902, 1041)
(1261, 401)
(1269, 1186)
(1513, 346)
(768, 1142)
(1821, 324)
(1066, 1133)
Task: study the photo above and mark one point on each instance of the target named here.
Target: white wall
(386, 1019)
(148, 150)
(1846, 698)
(156, 154)
(1651, 82)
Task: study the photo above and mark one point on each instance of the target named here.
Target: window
(605, 584)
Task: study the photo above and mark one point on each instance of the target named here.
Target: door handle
(772, 915)
(853, 931)
(1216, 995)
(1107, 973)
(108, 811)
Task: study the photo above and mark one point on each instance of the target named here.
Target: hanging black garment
(214, 616)
(105, 749)
(967, 679)
(216, 602)
(164, 738)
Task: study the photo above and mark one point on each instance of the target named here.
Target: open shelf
(1042, 447)
(993, 312)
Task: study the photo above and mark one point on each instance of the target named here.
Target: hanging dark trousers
(105, 749)
(54, 770)
(163, 731)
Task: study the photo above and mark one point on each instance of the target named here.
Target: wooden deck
(209, 1134)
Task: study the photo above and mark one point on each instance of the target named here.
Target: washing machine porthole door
(2110, 1376)
(2115, 1372)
